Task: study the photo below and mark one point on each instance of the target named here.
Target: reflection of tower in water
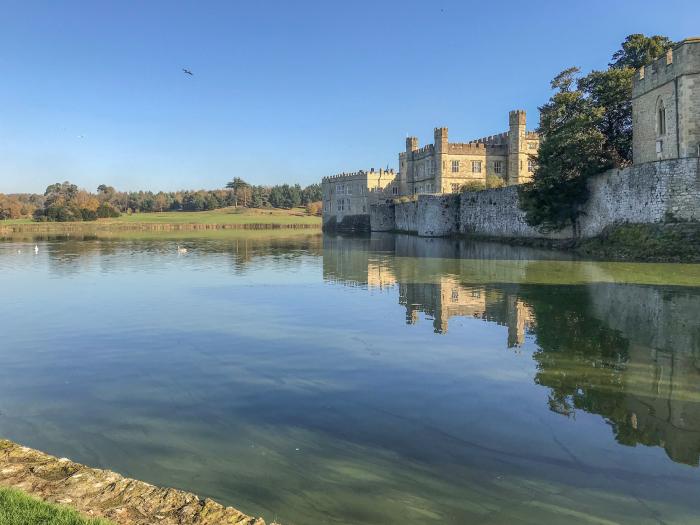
(447, 298)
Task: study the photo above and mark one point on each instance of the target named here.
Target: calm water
(391, 380)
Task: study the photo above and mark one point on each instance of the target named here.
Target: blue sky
(93, 92)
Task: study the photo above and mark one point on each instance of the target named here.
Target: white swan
(181, 250)
(36, 249)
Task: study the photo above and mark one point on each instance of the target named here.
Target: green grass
(17, 508)
(222, 216)
(15, 221)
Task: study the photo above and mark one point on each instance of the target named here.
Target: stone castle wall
(496, 213)
(405, 216)
(428, 216)
(646, 193)
(382, 217)
(438, 215)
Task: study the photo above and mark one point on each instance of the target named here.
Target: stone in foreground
(105, 494)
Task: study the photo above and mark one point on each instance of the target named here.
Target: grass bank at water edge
(17, 508)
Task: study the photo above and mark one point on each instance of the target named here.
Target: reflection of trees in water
(629, 353)
(649, 394)
(69, 255)
(579, 358)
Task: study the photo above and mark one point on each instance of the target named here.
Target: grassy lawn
(17, 508)
(16, 221)
(222, 216)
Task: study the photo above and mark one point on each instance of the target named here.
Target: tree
(161, 201)
(585, 128)
(259, 196)
(277, 197)
(10, 207)
(571, 149)
(638, 50)
(611, 91)
(312, 193)
(240, 189)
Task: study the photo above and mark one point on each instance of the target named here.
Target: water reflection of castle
(627, 352)
(440, 297)
(448, 298)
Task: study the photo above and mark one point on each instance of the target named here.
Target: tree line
(66, 202)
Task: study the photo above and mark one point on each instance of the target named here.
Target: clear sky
(283, 91)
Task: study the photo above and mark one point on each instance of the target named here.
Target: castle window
(662, 119)
(498, 166)
(455, 295)
(455, 166)
(395, 190)
(476, 166)
(532, 145)
(348, 189)
(455, 188)
(530, 165)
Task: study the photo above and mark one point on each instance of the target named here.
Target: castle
(666, 106)
(443, 167)
(441, 179)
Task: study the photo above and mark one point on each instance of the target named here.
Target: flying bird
(187, 72)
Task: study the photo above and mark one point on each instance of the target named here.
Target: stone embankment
(104, 494)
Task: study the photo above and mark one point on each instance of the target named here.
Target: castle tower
(406, 166)
(440, 157)
(517, 148)
(666, 106)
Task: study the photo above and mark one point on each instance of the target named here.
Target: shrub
(494, 181)
(314, 208)
(106, 211)
(473, 185)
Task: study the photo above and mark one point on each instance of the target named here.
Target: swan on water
(181, 250)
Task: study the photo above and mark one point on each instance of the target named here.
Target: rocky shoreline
(104, 494)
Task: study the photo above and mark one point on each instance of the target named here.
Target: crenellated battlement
(681, 60)
(475, 148)
(517, 117)
(491, 140)
(423, 152)
(355, 174)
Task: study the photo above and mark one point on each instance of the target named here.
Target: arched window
(661, 118)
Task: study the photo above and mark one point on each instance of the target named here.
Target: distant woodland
(64, 201)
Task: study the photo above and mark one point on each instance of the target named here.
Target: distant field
(222, 216)
(231, 216)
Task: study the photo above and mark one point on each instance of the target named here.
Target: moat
(360, 380)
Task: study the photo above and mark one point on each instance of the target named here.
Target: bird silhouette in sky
(187, 72)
